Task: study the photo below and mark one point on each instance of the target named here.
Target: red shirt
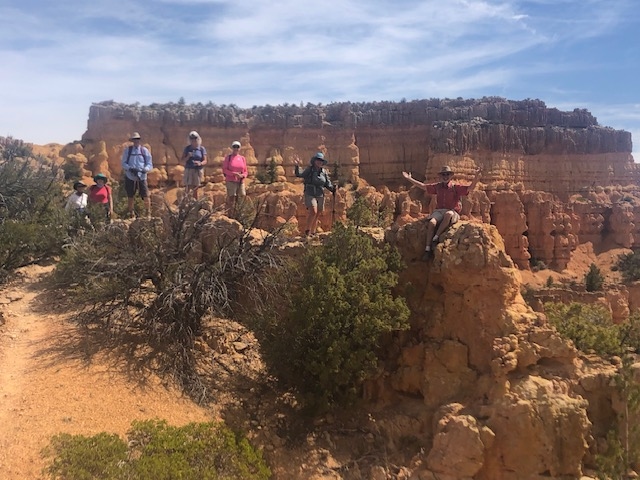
(448, 195)
(99, 194)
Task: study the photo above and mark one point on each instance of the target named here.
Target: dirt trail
(47, 386)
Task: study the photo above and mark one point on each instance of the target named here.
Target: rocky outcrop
(508, 398)
(551, 180)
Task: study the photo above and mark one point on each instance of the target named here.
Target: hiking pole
(333, 207)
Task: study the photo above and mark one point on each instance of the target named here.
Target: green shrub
(33, 224)
(588, 326)
(72, 171)
(623, 440)
(157, 451)
(367, 213)
(593, 280)
(323, 332)
(629, 265)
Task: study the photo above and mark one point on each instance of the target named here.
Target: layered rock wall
(517, 142)
(550, 179)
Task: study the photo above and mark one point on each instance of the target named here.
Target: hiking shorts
(311, 201)
(235, 189)
(193, 177)
(133, 186)
(439, 215)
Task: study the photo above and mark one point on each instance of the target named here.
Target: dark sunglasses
(235, 146)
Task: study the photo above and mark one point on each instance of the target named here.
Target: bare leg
(230, 206)
(445, 223)
(130, 206)
(312, 219)
(147, 204)
(431, 227)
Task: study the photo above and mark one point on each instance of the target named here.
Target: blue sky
(56, 58)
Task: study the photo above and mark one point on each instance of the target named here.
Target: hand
(478, 172)
(407, 175)
(134, 171)
(296, 160)
(333, 189)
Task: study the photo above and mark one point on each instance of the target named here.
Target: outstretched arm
(475, 179)
(414, 181)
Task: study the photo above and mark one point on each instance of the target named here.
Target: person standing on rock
(194, 158)
(448, 204)
(136, 162)
(234, 168)
(316, 179)
(100, 194)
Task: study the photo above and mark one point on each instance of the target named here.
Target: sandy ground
(47, 385)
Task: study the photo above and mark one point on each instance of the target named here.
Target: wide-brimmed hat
(135, 136)
(78, 184)
(194, 134)
(318, 156)
(100, 176)
(445, 169)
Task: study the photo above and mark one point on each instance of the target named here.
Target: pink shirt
(234, 164)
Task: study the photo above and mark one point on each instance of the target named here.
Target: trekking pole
(333, 207)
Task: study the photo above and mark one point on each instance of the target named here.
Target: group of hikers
(137, 162)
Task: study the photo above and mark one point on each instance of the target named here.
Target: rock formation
(551, 179)
(504, 396)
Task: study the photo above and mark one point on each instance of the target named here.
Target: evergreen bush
(588, 326)
(156, 451)
(629, 265)
(593, 280)
(321, 335)
(33, 224)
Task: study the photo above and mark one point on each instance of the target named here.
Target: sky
(57, 58)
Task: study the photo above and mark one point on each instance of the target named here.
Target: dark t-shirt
(196, 154)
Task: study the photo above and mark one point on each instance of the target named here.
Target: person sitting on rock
(448, 204)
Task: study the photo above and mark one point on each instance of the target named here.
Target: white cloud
(62, 57)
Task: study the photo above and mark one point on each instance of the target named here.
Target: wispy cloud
(63, 56)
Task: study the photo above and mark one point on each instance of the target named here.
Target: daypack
(129, 155)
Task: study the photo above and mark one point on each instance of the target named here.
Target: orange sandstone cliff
(551, 180)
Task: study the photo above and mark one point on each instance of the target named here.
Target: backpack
(129, 155)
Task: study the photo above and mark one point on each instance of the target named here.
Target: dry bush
(154, 280)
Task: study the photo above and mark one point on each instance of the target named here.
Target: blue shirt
(137, 164)
(196, 154)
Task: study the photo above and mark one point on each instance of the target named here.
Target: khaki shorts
(439, 215)
(235, 189)
(193, 177)
(311, 201)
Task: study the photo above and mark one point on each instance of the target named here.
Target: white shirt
(76, 202)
